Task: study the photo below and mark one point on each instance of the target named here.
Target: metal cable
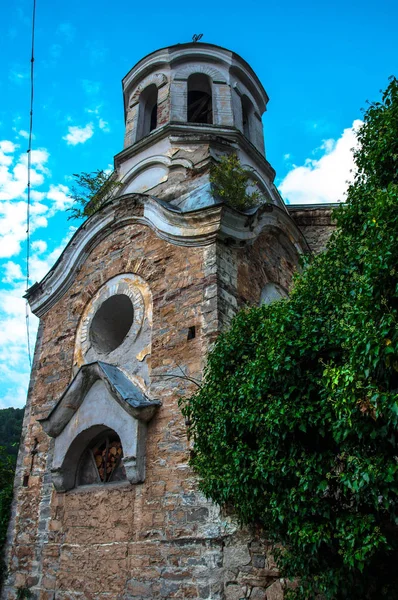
(29, 151)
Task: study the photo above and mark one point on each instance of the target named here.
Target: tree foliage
(296, 423)
(90, 192)
(7, 466)
(230, 182)
(10, 428)
(10, 433)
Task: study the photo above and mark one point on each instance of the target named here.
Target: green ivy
(296, 423)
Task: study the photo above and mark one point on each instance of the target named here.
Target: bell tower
(184, 106)
(106, 505)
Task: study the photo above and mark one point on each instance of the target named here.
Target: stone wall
(160, 538)
(315, 222)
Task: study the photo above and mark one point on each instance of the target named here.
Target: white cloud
(25, 134)
(13, 272)
(13, 185)
(45, 203)
(40, 246)
(104, 125)
(324, 179)
(79, 135)
(14, 364)
(59, 195)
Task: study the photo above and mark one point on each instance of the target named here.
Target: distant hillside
(10, 429)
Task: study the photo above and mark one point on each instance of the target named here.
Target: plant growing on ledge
(91, 191)
(296, 423)
(230, 182)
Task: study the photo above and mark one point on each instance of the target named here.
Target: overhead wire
(29, 152)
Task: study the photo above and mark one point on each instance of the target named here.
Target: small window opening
(25, 482)
(111, 323)
(102, 462)
(148, 111)
(200, 106)
(191, 333)
(247, 116)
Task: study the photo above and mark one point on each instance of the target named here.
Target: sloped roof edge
(122, 389)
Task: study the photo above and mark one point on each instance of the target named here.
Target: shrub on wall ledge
(230, 183)
(296, 423)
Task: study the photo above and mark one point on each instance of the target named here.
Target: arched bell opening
(200, 102)
(148, 111)
(247, 117)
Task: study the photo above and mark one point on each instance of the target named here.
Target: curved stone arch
(152, 162)
(272, 292)
(280, 228)
(158, 79)
(184, 72)
(168, 223)
(252, 91)
(255, 175)
(130, 285)
(64, 476)
(242, 91)
(241, 228)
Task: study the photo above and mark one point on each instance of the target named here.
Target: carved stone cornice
(194, 228)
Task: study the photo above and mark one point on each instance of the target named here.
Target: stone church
(106, 505)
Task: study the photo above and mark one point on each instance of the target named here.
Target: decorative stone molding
(127, 284)
(193, 67)
(100, 397)
(194, 228)
(152, 162)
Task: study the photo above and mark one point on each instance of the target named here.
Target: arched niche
(272, 292)
(100, 398)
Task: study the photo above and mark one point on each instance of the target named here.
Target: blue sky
(319, 63)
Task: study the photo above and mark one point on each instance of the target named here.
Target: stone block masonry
(160, 538)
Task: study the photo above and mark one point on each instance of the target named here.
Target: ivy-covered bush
(296, 424)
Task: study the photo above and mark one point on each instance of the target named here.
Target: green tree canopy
(296, 423)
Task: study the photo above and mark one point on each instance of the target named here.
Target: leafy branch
(91, 191)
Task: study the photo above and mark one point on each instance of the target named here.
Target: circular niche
(111, 323)
(111, 320)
